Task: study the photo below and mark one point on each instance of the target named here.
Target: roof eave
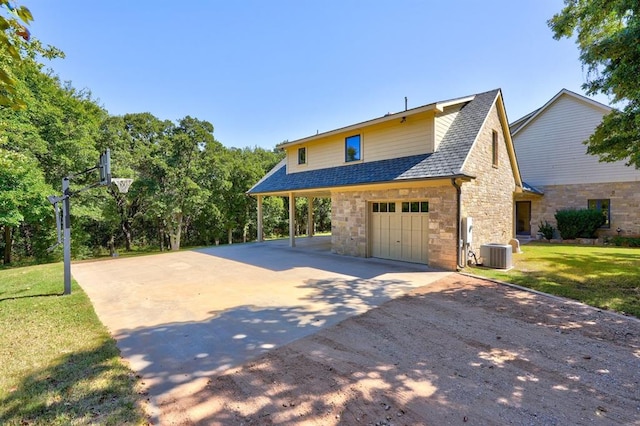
(284, 192)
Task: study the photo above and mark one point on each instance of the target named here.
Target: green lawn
(58, 363)
(605, 277)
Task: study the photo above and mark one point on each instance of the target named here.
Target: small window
(352, 148)
(494, 148)
(302, 155)
(383, 207)
(604, 206)
(415, 207)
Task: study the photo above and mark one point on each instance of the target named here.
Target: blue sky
(267, 71)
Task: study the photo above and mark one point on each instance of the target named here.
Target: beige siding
(379, 142)
(442, 123)
(550, 149)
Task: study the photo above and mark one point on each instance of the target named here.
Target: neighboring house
(559, 173)
(401, 184)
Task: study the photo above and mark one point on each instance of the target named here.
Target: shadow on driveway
(181, 317)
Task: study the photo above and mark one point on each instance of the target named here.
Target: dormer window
(302, 155)
(352, 148)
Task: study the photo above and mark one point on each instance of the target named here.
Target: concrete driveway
(181, 317)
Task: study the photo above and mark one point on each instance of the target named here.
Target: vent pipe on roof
(405, 103)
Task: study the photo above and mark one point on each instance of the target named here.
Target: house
(401, 185)
(559, 173)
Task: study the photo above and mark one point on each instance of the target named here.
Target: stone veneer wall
(349, 221)
(624, 199)
(488, 199)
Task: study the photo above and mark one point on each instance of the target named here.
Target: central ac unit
(496, 255)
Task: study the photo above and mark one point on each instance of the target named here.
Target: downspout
(458, 221)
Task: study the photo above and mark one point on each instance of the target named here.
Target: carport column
(310, 217)
(260, 239)
(292, 220)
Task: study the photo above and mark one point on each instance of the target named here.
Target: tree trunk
(175, 231)
(27, 233)
(160, 235)
(126, 231)
(8, 242)
(230, 235)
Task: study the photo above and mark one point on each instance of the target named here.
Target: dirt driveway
(460, 351)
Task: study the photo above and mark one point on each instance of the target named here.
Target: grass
(58, 363)
(604, 277)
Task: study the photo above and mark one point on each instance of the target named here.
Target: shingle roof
(457, 142)
(530, 188)
(447, 161)
(356, 174)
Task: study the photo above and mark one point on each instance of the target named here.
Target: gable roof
(447, 162)
(523, 122)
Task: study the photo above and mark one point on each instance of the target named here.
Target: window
(352, 148)
(384, 207)
(302, 155)
(415, 207)
(604, 206)
(494, 148)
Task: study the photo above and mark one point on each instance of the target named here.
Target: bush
(625, 241)
(581, 223)
(546, 229)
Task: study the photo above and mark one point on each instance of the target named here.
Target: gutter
(459, 223)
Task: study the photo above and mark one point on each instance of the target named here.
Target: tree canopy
(607, 34)
(188, 188)
(12, 26)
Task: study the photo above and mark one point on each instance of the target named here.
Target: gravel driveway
(459, 351)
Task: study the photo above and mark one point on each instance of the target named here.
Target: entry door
(523, 217)
(399, 231)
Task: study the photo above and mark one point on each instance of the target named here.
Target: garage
(399, 230)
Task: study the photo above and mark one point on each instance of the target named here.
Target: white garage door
(399, 230)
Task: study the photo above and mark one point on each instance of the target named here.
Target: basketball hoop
(122, 184)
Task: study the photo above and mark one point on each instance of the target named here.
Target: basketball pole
(104, 166)
(66, 238)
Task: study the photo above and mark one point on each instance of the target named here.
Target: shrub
(546, 229)
(581, 223)
(625, 241)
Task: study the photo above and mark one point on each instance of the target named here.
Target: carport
(309, 195)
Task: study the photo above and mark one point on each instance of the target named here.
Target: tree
(23, 194)
(11, 27)
(607, 36)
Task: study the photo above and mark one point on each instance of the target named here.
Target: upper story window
(302, 155)
(604, 206)
(494, 148)
(352, 151)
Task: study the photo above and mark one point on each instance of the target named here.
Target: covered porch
(311, 197)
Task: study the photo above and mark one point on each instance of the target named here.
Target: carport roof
(447, 161)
